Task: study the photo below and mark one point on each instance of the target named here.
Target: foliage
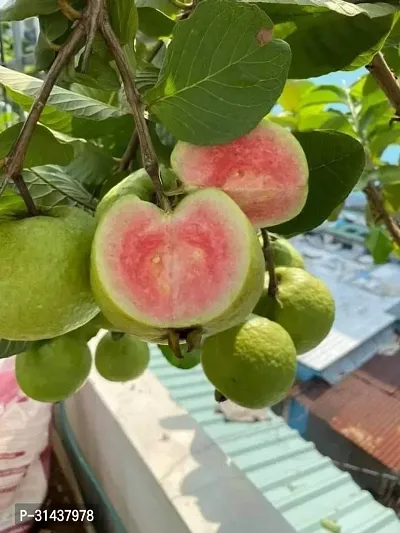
(207, 74)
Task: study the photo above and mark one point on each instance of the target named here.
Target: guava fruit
(264, 171)
(121, 359)
(50, 371)
(138, 183)
(285, 254)
(197, 267)
(304, 307)
(45, 274)
(253, 364)
(189, 359)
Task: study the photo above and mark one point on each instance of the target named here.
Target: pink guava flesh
(176, 268)
(264, 171)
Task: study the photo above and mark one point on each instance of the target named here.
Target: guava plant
(149, 190)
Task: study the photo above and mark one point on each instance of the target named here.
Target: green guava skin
(253, 364)
(121, 360)
(138, 183)
(53, 370)
(189, 359)
(237, 312)
(45, 275)
(304, 307)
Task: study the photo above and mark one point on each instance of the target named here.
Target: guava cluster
(191, 278)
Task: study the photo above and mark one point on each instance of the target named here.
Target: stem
(26, 196)
(149, 157)
(94, 13)
(269, 261)
(130, 152)
(68, 11)
(375, 199)
(15, 159)
(387, 81)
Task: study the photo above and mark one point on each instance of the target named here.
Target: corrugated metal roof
(364, 407)
(302, 484)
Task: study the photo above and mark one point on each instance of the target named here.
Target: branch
(269, 261)
(94, 13)
(14, 161)
(149, 157)
(387, 81)
(375, 199)
(130, 152)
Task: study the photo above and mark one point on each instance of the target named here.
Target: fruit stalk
(269, 261)
(149, 156)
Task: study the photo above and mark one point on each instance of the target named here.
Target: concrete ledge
(158, 467)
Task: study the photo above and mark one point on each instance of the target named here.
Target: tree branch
(269, 261)
(130, 152)
(149, 156)
(93, 20)
(14, 161)
(387, 81)
(375, 199)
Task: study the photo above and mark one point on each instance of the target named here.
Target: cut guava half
(199, 266)
(265, 172)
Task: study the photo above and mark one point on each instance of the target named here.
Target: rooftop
(302, 484)
(364, 407)
(365, 297)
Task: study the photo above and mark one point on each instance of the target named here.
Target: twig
(68, 11)
(93, 18)
(269, 261)
(375, 199)
(26, 196)
(386, 80)
(14, 161)
(149, 157)
(130, 152)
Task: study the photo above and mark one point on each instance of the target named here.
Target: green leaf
(293, 94)
(325, 94)
(90, 166)
(379, 244)
(22, 9)
(381, 137)
(222, 73)
(343, 31)
(67, 112)
(388, 174)
(124, 19)
(43, 148)
(11, 204)
(107, 97)
(391, 193)
(146, 79)
(154, 23)
(336, 162)
(166, 6)
(100, 75)
(44, 53)
(10, 348)
(339, 6)
(51, 186)
(335, 213)
(53, 25)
